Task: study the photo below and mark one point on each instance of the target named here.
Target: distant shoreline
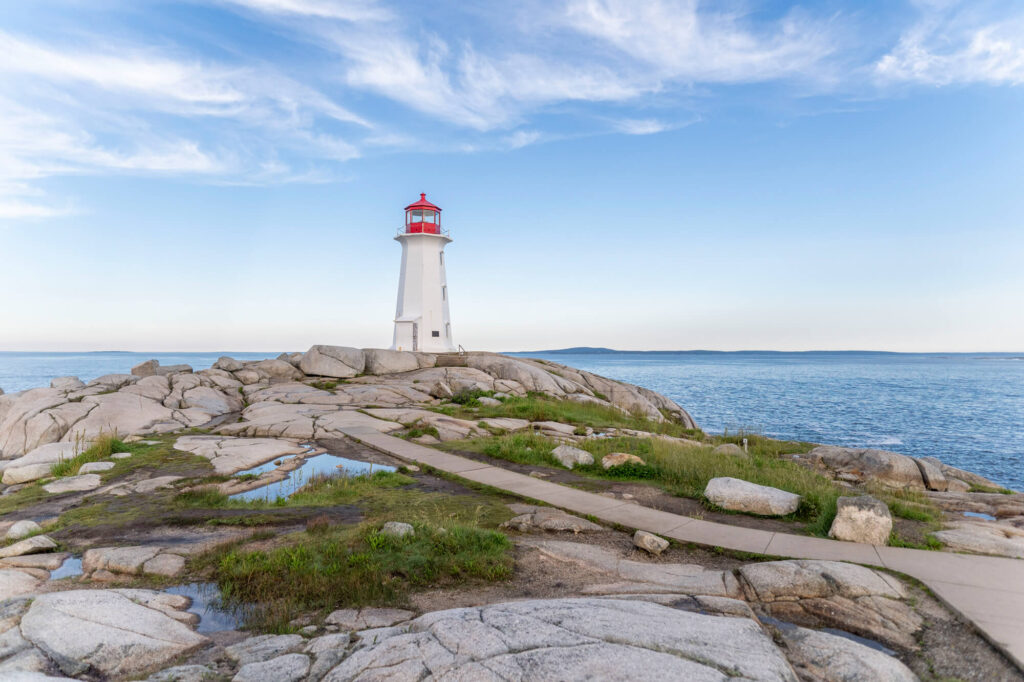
(585, 350)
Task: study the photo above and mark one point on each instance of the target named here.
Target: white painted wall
(422, 296)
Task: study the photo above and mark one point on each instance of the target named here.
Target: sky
(665, 174)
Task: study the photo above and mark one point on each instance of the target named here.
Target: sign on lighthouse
(422, 321)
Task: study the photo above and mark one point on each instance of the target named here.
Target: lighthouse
(422, 321)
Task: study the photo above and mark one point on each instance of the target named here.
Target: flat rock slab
(15, 583)
(230, 455)
(353, 620)
(95, 467)
(263, 648)
(552, 520)
(822, 656)
(105, 630)
(736, 494)
(32, 545)
(984, 537)
(73, 484)
(640, 576)
(569, 639)
(118, 559)
(287, 668)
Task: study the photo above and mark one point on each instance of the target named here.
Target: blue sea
(965, 409)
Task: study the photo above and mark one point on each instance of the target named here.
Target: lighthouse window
(428, 216)
(444, 293)
(442, 259)
(435, 334)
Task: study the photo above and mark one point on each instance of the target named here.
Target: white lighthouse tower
(422, 321)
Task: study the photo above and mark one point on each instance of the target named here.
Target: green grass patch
(539, 407)
(325, 385)
(930, 542)
(161, 459)
(102, 448)
(328, 568)
(683, 470)
(418, 429)
(989, 489)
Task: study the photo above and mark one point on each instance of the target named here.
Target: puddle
(71, 567)
(264, 468)
(319, 465)
(206, 604)
(979, 515)
(860, 640)
(785, 627)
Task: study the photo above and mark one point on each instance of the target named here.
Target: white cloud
(348, 10)
(957, 43)
(683, 41)
(644, 126)
(522, 138)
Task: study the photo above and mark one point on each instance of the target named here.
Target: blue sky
(668, 174)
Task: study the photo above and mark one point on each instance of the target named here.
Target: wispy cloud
(91, 109)
(348, 10)
(958, 43)
(685, 40)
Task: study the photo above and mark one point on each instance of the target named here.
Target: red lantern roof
(423, 204)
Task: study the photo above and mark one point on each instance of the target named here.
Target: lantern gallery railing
(421, 228)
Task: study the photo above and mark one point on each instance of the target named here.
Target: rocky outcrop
(859, 465)
(736, 494)
(569, 639)
(834, 594)
(281, 403)
(861, 519)
(108, 632)
(984, 537)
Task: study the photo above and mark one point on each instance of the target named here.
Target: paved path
(988, 591)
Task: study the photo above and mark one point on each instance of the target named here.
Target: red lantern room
(422, 216)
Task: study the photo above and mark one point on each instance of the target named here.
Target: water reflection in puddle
(870, 643)
(206, 604)
(263, 468)
(71, 567)
(979, 515)
(319, 465)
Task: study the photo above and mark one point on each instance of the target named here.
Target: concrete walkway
(987, 591)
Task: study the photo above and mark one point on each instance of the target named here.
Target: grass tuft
(102, 448)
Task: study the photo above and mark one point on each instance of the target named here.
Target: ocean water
(965, 409)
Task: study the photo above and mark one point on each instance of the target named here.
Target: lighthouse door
(415, 336)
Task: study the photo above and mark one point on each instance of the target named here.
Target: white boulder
(568, 456)
(649, 542)
(861, 519)
(736, 494)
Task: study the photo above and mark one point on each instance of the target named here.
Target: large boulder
(570, 639)
(860, 465)
(736, 494)
(65, 383)
(339, 362)
(569, 457)
(279, 369)
(109, 632)
(861, 519)
(379, 361)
